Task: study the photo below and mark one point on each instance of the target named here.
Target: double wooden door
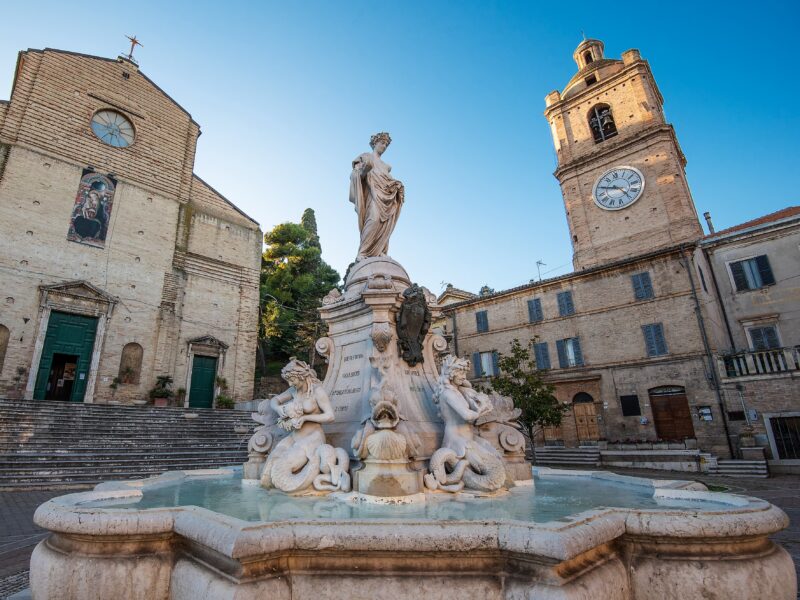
(586, 421)
(671, 416)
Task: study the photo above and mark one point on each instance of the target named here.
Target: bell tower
(620, 167)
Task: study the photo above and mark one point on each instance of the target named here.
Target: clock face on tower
(618, 188)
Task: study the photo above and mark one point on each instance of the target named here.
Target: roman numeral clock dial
(618, 188)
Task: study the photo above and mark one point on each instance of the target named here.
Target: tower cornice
(645, 137)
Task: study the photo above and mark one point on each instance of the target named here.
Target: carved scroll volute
(381, 336)
(324, 347)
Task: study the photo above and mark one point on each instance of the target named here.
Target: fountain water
(394, 477)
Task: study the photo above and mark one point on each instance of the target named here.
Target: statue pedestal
(363, 357)
(387, 478)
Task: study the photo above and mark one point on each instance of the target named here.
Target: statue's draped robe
(377, 197)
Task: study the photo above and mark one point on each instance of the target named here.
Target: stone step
(26, 461)
(118, 466)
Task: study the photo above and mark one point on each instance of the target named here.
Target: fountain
(394, 477)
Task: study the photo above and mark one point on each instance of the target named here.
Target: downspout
(455, 334)
(719, 299)
(707, 347)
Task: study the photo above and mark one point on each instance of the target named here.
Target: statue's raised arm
(377, 197)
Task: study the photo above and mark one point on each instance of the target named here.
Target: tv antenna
(539, 265)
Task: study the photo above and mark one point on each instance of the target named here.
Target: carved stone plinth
(387, 478)
(363, 356)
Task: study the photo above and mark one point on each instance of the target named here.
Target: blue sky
(288, 93)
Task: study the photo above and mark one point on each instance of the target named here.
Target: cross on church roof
(134, 43)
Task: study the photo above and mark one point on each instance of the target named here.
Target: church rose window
(601, 122)
(113, 128)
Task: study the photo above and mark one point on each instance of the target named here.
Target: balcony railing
(760, 362)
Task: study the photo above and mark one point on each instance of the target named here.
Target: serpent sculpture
(302, 461)
(464, 461)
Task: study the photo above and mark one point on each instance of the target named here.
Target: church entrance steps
(741, 468)
(555, 455)
(57, 444)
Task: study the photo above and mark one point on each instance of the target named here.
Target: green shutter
(535, 310)
(767, 278)
(495, 368)
(650, 340)
(476, 364)
(561, 349)
(661, 343)
(576, 349)
(739, 278)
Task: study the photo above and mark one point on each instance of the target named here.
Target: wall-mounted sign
(704, 413)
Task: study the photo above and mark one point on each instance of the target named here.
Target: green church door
(204, 374)
(66, 356)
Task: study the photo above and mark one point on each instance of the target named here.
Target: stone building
(118, 263)
(755, 271)
(634, 338)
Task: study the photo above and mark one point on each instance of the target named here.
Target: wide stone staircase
(60, 444)
(586, 457)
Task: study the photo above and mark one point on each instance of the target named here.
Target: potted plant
(180, 396)
(223, 400)
(162, 392)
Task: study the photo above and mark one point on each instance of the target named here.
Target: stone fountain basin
(188, 552)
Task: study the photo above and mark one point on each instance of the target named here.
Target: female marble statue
(377, 197)
(303, 459)
(464, 459)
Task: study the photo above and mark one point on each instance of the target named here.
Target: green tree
(520, 380)
(294, 278)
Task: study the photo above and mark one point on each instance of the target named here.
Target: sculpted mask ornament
(302, 461)
(377, 197)
(465, 461)
(413, 322)
(381, 336)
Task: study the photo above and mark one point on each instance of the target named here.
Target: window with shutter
(542, 355)
(764, 338)
(654, 339)
(569, 353)
(642, 286)
(565, 305)
(752, 273)
(482, 321)
(535, 310)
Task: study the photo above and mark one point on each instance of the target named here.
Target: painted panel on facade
(92, 211)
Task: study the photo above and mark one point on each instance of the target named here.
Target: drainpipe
(719, 299)
(455, 334)
(707, 347)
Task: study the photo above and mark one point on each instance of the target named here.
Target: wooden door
(672, 417)
(204, 373)
(72, 335)
(586, 421)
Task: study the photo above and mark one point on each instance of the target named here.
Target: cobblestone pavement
(18, 534)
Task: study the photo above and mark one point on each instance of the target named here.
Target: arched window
(4, 335)
(130, 365)
(601, 122)
(582, 397)
(587, 57)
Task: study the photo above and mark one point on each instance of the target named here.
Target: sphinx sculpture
(377, 197)
(464, 460)
(302, 462)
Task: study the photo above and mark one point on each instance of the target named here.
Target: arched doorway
(671, 415)
(585, 417)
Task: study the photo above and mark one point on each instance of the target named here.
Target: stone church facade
(118, 263)
(638, 339)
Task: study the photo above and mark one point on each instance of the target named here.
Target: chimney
(707, 216)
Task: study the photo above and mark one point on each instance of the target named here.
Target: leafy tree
(294, 278)
(520, 380)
